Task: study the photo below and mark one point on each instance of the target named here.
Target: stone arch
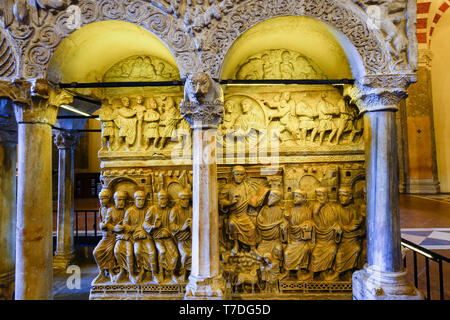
(38, 42)
(348, 21)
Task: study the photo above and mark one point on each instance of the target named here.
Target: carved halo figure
(328, 236)
(104, 251)
(301, 237)
(157, 224)
(181, 228)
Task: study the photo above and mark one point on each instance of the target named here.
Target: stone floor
(425, 220)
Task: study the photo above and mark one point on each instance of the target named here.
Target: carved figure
(345, 122)
(168, 123)
(181, 228)
(328, 236)
(286, 67)
(199, 89)
(301, 237)
(151, 123)
(104, 251)
(157, 224)
(306, 117)
(247, 122)
(122, 252)
(107, 116)
(351, 220)
(241, 228)
(126, 122)
(272, 228)
(326, 112)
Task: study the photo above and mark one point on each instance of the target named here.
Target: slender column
(66, 142)
(383, 277)
(8, 155)
(203, 109)
(34, 247)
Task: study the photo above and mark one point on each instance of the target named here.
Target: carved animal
(200, 89)
(244, 278)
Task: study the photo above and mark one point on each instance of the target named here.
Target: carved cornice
(66, 139)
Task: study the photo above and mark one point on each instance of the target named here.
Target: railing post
(427, 270)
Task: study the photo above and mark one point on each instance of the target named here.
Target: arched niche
(89, 53)
(322, 47)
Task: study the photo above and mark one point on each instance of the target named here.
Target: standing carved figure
(140, 109)
(345, 122)
(272, 227)
(126, 121)
(351, 221)
(306, 117)
(107, 116)
(328, 236)
(168, 122)
(286, 66)
(151, 123)
(241, 228)
(104, 251)
(157, 224)
(181, 228)
(301, 237)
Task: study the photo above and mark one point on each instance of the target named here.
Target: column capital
(40, 102)
(379, 93)
(202, 106)
(66, 139)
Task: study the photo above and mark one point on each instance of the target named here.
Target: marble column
(8, 156)
(418, 131)
(203, 110)
(34, 245)
(383, 277)
(66, 142)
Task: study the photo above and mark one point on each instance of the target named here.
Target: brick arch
(442, 9)
(427, 20)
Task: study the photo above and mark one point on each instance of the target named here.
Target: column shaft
(8, 157)
(34, 247)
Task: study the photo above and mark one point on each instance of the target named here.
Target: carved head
(139, 99)
(299, 197)
(199, 84)
(139, 199)
(322, 194)
(105, 196)
(239, 174)
(150, 103)
(125, 101)
(185, 198)
(265, 58)
(120, 198)
(163, 198)
(345, 196)
(229, 106)
(286, 96)
(274, 197)
(285, 56)
(246, 105)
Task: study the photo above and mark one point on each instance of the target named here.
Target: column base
(62, 260)
(423, 186)
(7, 286)
(205, 288)
(369, 284)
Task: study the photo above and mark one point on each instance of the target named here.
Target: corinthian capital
(66, 139)
(42, 105)
(202, 106)
(379, 93)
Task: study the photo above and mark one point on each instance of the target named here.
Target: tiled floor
(425, 220)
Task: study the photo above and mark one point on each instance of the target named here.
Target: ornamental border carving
(201, 48)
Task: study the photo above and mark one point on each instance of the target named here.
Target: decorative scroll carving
(7, 58)
(141, 68)
(279, 64)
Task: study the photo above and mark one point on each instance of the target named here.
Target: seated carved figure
(180, 226)
(104, 251)
(301, 237)
(241, 228)
(157, 224)
(328, 236)
(351, 220)
(143, 247)
(272, 227)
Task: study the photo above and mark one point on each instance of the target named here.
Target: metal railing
(428, 256)
(86, 231)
